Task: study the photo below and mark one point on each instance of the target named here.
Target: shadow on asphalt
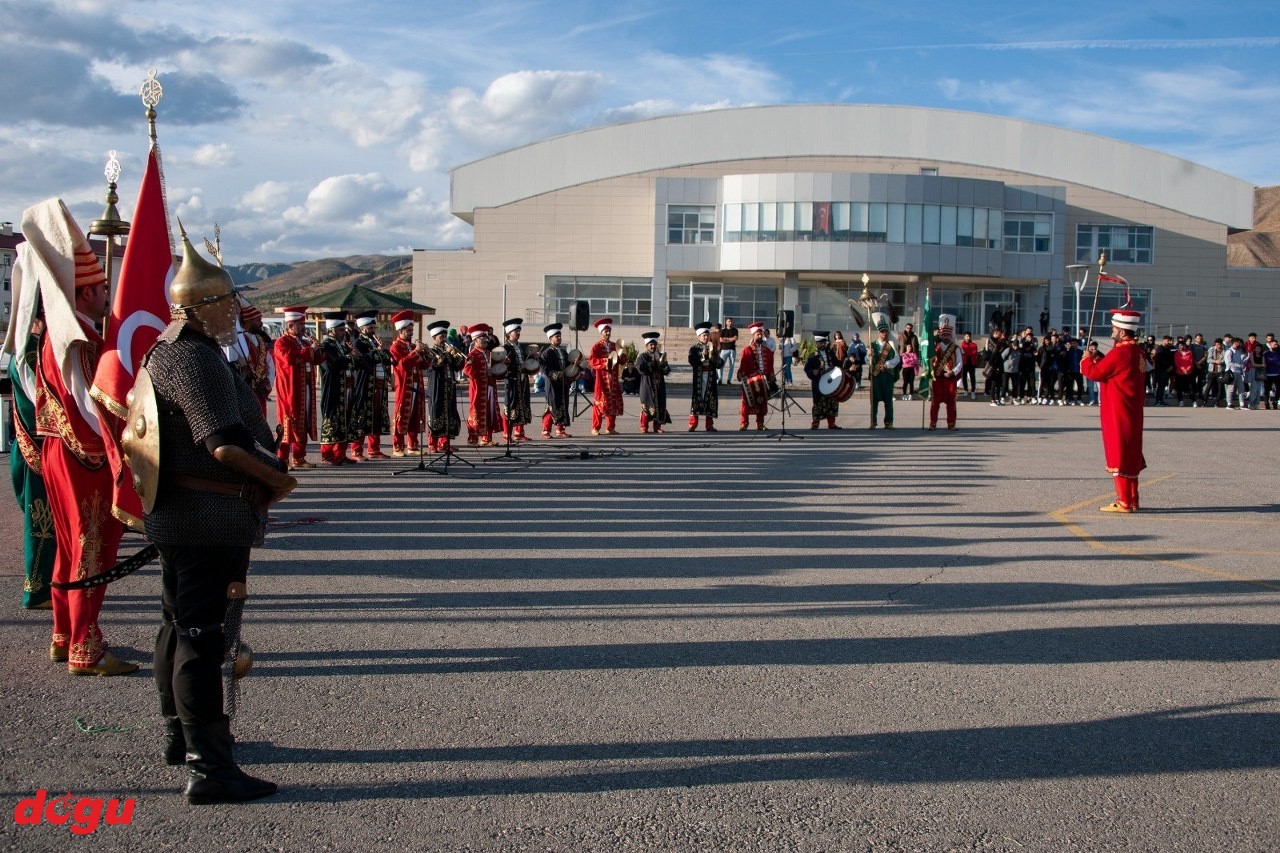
(1185, 740)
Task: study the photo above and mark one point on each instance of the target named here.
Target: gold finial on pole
(151, 94)
(110, 225)
(215, 247)
(1102, 261)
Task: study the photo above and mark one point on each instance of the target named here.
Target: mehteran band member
(885, 363)
(554, 360)
(704, 358)
(443, 421)
(1121, 373)
(296, 358)
(654, 369)
(821, 362)
(482, 389)
(408, 360)
(945, 366)
(517, 408)
(335, 391)
(608, 394)
(756, 361)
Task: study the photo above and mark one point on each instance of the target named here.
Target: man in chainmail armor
(217, 476)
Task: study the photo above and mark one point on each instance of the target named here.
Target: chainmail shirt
(198, 395)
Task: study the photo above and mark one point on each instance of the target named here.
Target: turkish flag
(139, 313)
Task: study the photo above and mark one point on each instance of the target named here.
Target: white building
(743, 212)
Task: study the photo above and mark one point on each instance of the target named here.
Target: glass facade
(862, 222)
(745, 303)
(1124, 244)
(1028, 232)
(689, 224)
(628, 300)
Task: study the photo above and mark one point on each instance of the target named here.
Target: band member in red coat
(945, 366)
(296, 357)
(408, 359)
(482, 389)
(608, 395)
(73, 458)
(1122, 377)
(755, 367)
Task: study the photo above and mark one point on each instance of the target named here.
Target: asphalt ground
(847, 640)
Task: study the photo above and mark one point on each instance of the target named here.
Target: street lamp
(1079, 274)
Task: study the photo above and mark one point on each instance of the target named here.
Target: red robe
(1122, 375)
(296, 388)
(749, 366)
(411, 391)
(482, 391)
(79, 483)
(608, 393)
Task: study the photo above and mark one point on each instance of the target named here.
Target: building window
(1124, 244)
(691, 224)
(745, 303)
(863, 222)
(1028, 233)
(628, 300)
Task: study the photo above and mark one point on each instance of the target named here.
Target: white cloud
(211, 156)
(346, 200)
(522, 103)
(266, 197)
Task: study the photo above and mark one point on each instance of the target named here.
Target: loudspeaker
(581, 316)
(786, 323)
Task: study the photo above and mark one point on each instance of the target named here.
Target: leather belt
(248, 491)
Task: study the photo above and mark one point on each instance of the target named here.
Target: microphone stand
(787, 402)
(423, 466)
(508, 456)
(576, 394)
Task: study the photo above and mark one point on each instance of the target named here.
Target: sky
(326, 129)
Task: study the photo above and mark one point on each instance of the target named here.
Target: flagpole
(1102, 263)
(110, 225)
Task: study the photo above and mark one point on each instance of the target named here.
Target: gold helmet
(201, 292)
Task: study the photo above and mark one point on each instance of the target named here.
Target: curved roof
(918, 133)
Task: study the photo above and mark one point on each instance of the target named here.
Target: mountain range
(279, 284)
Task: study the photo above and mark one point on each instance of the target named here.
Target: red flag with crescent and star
(139, 313)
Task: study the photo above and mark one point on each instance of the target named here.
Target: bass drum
(756, 389)
(499, 370)
(531, 365)
(836, 383)
(498, 356)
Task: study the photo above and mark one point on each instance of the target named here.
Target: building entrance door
(705, 309)
(1005, 300)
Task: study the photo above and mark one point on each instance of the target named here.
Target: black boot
(212, 774)
(175, 743)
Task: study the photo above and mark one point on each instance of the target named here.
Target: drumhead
(829, 382)
(498, 371)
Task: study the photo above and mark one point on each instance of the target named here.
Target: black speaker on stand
(581, 316)
(786, 325)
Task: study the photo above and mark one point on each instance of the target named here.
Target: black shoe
(212, 774)
(175, 743)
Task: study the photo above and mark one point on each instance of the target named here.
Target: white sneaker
(993, 404)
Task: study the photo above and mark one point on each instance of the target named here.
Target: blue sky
(318, 129)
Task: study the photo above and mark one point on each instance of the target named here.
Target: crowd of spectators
(1025, 370)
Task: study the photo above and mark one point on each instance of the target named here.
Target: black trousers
(188, 669)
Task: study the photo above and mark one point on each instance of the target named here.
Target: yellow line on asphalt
(1060, 516)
